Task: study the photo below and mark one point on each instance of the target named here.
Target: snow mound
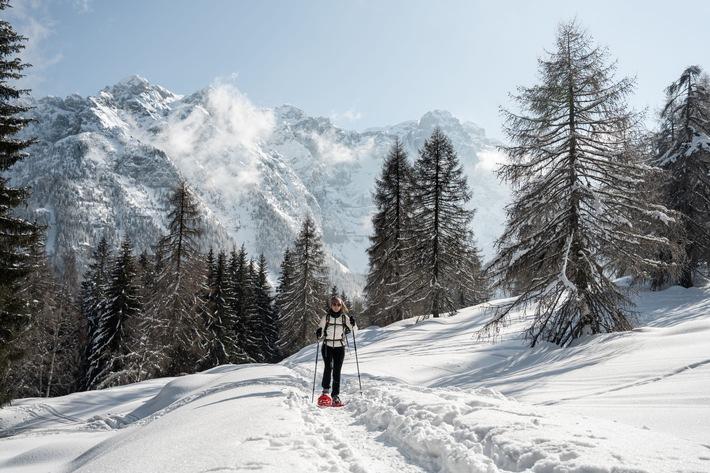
(175, 390)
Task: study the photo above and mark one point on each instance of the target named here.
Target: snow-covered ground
(435, 399)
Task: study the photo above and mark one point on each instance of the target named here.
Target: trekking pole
(357, 363)
(315, 371)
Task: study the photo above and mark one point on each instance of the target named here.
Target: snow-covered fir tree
(267, 313)
(144, 359)
(301, 301)
(117, 324)
(18, 235)
(94, 290)
(441, 229)
(176, 326)
(386, 294)
(254, 323)
(684, 152)
(222, 341)
(282, 291)
(577, 200)
(27, 376)
(639, 148)
(243, 310)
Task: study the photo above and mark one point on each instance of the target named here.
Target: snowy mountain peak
(133, 80)
(136, 85)
(136, 94)
(289, 114)
(441, 118)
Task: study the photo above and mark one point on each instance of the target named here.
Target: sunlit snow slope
(434, 399)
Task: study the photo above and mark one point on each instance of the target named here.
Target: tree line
(172, 312)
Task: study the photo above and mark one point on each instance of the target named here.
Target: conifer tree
(253, 317)
(94, 290)
(684, 152)
(148, 355)
(285, 276)
(238, 277)
(177, 325)
(282, 291)
(440, 228)
(27, 376)
(117, 324)
(222, 342)
(18, 235)
(244, 312)
(267, 313)
(669, 258)
(577, 204)
(385, 290)
(301, 302)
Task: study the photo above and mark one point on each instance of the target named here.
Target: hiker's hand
(319, 332)
(352, 321)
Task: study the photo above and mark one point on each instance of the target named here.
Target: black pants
(333, 360)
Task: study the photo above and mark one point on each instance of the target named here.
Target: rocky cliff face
(103, 165)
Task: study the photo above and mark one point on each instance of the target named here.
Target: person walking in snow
(333, 327)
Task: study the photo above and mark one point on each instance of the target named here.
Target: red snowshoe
(324, 401)
(337, 402)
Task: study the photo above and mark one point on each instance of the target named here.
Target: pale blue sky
(362, 62)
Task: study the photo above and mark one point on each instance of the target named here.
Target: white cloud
(490, 159)
(332, 151)
(218, 142)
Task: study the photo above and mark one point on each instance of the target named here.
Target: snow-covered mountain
(434, 399)
(107, 162)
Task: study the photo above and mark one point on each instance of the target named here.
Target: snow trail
(451, 430)
(344, 445)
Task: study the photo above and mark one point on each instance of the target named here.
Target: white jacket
(335, 333)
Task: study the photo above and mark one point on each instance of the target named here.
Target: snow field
(435, 399)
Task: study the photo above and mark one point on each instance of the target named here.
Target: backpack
(346, 330)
